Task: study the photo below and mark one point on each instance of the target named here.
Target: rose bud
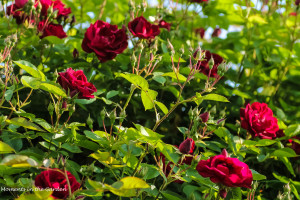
(187, 146)
(201, 32)
(141, 28)
(75, 53)
(55, 179)
(223, 193)
(105, 40)
(258, 119)
(216, 32)
(164, 24)
(204, 117)
(226, 170)
(64, 105)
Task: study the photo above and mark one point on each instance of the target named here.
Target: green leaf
(111, 94)
(285, 152)
(5, 148)
(16, 161)
(53, 89)
(54, 40)
(181, 78)
(20, 121)
(288, 164)
(257, 176)
(215, 97)
(71, 147)
(31, 82)
(257, 19)
(162, 107)
(127, 186)
(31, 69)
(8, 95)
(85, 101)
(135, 80)
(148, 97)
(292, 130)
(171, 195)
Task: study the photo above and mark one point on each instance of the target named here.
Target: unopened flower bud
(50, 10)
(39, 7)
(191, 114)
(133, 58)
(73, 21)
(181, 50)
(223, 193)
(72, 110)
(102, 114)
(151, 57)
(170, 46)
(204, 117)
(64, 105)
(140, 47)
(75, 53)
(54, 15)
(50, 109)
(90, 122)
(211, 63)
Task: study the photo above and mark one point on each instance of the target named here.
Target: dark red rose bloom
(225, 170)
(280, 133)
(76, 83)
(187, 146)
(203, 65)
(21, 3)
(141, 28)
(105, 40)
(51, 30)
(216, 33)
(14, 10)
(60, 7)
(201, 32)
(297, 2)
(56, 180)
(164, 24)
(204, 116)
(295, 145)
(259, 121)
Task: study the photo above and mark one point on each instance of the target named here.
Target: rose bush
(95, 96)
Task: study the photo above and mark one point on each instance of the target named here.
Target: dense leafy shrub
(189, 99)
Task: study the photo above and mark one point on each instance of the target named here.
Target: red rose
(75, 82)
(259, 121)
(201, 32)
(21, 3)
(51, 30)
(164, 24)
(141, 28)
(203, 65)
(105, 40)
(187, 146)
(293, 14)
(225, 170)
(56, 180)
(295, 145)
(60, 7)
(204, 116)
(216, 33)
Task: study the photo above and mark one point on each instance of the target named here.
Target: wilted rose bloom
(201, 32)
(56, 180)
(75, 53)
(295, 145)
(203, 65)
(51, 30)
(187, 146)
(216, 33)
(259, 121)
(225, 170)
(164, 24)
(141, 28)
(204, 116)
(75, 82)
(105, 40)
